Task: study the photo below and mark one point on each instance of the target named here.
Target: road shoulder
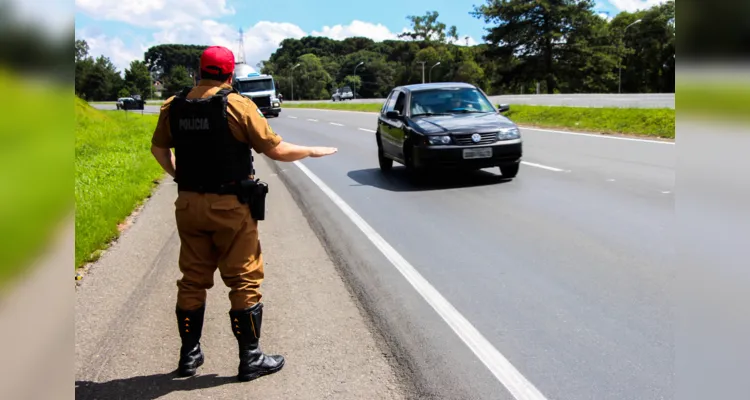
(127, 342)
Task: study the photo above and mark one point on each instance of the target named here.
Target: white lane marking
(666, 192)
(610, 180)
(367, 130)
(542, 166)
(334, 123)
(292, 117)
(522, 127)
(313, 120)
(504, 371)
(346, 111)
(596, 136)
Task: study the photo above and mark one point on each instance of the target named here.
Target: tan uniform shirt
(246, 122)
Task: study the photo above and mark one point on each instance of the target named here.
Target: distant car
(130, 103)
(342, 94)
(120, 102)
(446, 125)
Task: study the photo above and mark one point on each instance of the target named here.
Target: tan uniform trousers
(217, 231)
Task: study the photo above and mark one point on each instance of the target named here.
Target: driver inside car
(458, 102)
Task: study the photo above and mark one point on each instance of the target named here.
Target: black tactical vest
(207, 154)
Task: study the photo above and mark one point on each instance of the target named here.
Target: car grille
(465, 139)
(262, 101)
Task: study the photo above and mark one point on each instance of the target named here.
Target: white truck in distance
(261, 89)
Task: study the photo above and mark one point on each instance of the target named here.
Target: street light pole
(619, 83)
(291, 79)
(423, 63)
(436, 64)
(354, 92)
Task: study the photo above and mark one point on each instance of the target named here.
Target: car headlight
(508, 134)
(439, 139)
(275, 103)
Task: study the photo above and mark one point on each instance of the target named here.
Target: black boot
(190, 324)
(246, 327)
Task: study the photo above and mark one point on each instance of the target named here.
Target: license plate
(482, 152)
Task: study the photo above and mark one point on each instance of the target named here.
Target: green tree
(469, 71)
(82, 50)
(138, 78)
(431, 56)
(428, 28)
(102, 82)
(376, 74)
(178, 79)
(311, 80)
(535, 32)
(647, 48)
(163, 58)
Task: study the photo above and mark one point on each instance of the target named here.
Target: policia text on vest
(209, 159)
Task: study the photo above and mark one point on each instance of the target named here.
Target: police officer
(212, 130)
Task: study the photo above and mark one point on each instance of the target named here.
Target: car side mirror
(503, 108)
(393, 115)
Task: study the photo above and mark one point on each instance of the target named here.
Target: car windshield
(449, 101)
(255, 85)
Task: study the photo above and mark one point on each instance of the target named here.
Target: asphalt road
(148, 109)
(657, 100)
(565, 271)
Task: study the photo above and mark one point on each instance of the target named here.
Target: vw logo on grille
(476, 138)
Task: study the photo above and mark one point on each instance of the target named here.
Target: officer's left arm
(161, 142)
(165, 158)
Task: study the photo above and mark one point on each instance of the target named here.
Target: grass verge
(115, 173)
(658, 123)
(36, 169)
(716, 100)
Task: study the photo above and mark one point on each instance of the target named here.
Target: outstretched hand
(322, 151)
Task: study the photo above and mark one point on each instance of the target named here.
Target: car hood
(460, 123)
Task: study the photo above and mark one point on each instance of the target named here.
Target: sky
(124, 30)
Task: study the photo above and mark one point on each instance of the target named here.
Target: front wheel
(386, 164)
(510, 171)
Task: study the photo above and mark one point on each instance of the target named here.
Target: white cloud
(635, 5)
(162, 14)
(260, 40)
(462, 41)
(377, 32)
(114, 48)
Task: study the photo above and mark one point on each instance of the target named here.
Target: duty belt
(226, 188)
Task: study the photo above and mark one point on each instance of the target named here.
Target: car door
(397, 126)
(385, 125)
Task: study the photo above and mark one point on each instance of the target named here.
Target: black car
(446, 125)
(131, 103)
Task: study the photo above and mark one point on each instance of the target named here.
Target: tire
(408, 161)
(386, 164)
(510, 171)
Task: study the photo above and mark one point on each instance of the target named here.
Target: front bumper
(439, 156)
(270, 110)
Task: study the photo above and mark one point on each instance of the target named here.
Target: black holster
(253, 193)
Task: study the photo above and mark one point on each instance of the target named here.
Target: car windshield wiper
(465, 111)
(428, 114)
